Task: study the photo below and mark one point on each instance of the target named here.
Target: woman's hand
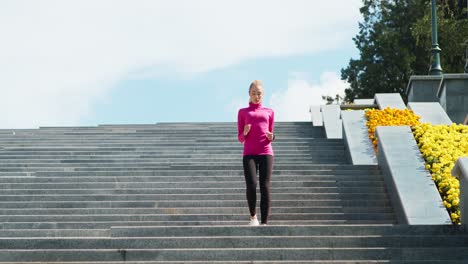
(270, 136)
(247, 129)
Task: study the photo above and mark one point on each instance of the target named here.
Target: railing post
(460, 170)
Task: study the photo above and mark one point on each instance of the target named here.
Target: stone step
(163, 150)
(340, 231)
(180, 169)
(170, 142)
(207, 141)
(153, 133)
(146, 157)
(310, 167)
(185, 157)
(196, 210)
(48, 150)
(153, 162)
(172, 223)
(194, 217)
(161, 133)
(175, 173)
(188, 134)
(24, 179)
(158, 151)
(142, 147)
(233, 184)
(155, 130)
(338, 157)
(208, 168)
(263, 262)
(150, 129)
(34, 162)
(181, 197)
(192, 203)
(126, 172)
(71, 168)
(184, 137)
(158, 169)
(231, 241)
(237, 254)
(215, 125)
(13, 238)
(297, 230)
(192, 191)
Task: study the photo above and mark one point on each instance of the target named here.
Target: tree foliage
(332, 100)
(394, 41)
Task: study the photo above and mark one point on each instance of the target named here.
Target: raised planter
(430, 113)
(453, 96)
(392, 100)
(460, 170)
(413, 193)
(332, 121)
(423, 88)
(358, 147)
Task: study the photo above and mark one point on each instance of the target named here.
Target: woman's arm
(240, 127)
(271, 125)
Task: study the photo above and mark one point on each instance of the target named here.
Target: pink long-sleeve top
(261, 120)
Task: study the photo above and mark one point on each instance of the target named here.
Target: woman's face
(256, 94)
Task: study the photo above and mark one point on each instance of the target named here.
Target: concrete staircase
(174, 193)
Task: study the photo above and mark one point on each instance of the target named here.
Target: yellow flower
(441, 146)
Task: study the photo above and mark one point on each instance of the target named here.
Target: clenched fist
(270, 136)
(247, 129)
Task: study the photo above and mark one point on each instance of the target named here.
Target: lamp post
(435, 68)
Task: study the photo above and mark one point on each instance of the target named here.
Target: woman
(255, 129)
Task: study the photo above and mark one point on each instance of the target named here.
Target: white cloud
(293, 103)
(58, 57)
(232, 108)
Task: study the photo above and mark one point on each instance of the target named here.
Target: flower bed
(388, 117)
(440, 147)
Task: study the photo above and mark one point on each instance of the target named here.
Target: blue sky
(72, 63)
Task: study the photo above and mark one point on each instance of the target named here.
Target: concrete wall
(316, 115)
(423, 88)
(358, 146)
(392, 100)
(453, 96)
(414, 195)
(332, 121)
(431, 113)
(460, 170)
(364, 101)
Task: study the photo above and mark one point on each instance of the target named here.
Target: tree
(393, 44)
(452, 19)
(330, 100)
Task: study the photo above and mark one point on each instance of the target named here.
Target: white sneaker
(254, 222)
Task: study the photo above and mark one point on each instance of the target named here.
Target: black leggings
(264, 164)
